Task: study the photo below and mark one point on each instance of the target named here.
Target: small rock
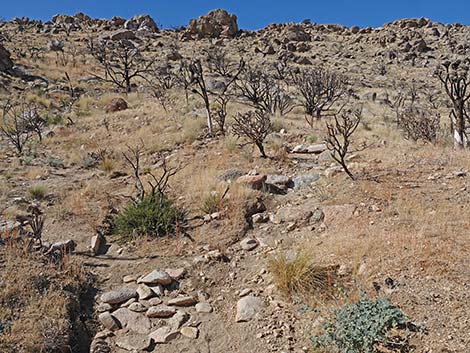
(309, 149)
(144, 292)
(129, 279)
(248, 307)
(190, 332)
(164, 334)
(118, 296)
(137, 307)
(108, 321)
(204, 308)
(104, 307)
(176, 273)
(178, 319)
(133, 321)
(183, 301)
(116, 105)
(255, 182)
(155, 301)
(248, 244)
(156, 277)
(160, 311)
(245, 292)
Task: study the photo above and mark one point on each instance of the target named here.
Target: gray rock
(133, 321)
(118, 296)
(108, 321)
(204, 308)
(248, 307)
(164, 334)
(141, 23)
(309, 149)
(137, 307)
(190, 332)
(178, 319)
(248, 244)
(134, 342)
(187, 300)
(161, 311)
(156, 277)
(303, 181)
(145, 292)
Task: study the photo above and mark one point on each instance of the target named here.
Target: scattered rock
(255, 182)
(133, 321)
(156, 277)
(164, 334)
(116, 105)
(204, 308)
(108, 321)
(248, 244)
(137, 307)
(178, 320)
(177, 273)
(161, 311)
(134, 342)
(144, 292)
(190, 332)
(309, 149)
(118, 296)
(248, 307)
(183, 301)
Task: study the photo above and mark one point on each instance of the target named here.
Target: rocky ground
(399, 230)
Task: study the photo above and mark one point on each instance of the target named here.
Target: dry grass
(38, 301)
(301, 278)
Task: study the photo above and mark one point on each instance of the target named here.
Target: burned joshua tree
(454, 78)
(122, 62)
(254, 126)
(320, 89)
(339, 133)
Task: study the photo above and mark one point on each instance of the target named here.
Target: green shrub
(362, 326)
(37, 192)
(312, 138)
(154, 216)
(212, 203)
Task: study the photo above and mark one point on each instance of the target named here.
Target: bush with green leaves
(153, 216)
(363, 326)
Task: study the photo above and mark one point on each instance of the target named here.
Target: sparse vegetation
(254, 126)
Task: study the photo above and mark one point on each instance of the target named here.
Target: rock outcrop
(216, 24)
(6, 63)
(141, 23)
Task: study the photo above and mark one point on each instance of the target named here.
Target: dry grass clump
(301, 278)
(39, 302)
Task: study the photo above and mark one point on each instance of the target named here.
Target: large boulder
(217, 23)
(6, 63)
(141, 23)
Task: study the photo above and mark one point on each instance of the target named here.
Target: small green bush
(212, 203)
(154, 216)
(37, 192)
(361, 327)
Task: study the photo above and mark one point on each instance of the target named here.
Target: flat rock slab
(134, 342)
(118, 296)
(248, 244)
(156, 277)
(108, 321)
(204, 308)
(248, 307)
(310, 149)
(164, 334)
(133, 321)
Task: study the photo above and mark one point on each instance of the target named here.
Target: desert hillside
(299, 188)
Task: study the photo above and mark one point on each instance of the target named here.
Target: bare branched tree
(258, 89)
(254, 126)
(339, 133)
(158, 185)
(419, 124)
(14, 128)
(454, 78)
(122, 62)
(320, 89)
(161, 80)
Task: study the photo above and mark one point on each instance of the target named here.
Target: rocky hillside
(138, 213)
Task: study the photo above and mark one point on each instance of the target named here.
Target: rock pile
(216, 24)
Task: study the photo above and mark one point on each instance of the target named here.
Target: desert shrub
(154, 215)
(255, 126)
(362, 327)
(300, 277)
(418, 124)
(37, 192)
(212, 203)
